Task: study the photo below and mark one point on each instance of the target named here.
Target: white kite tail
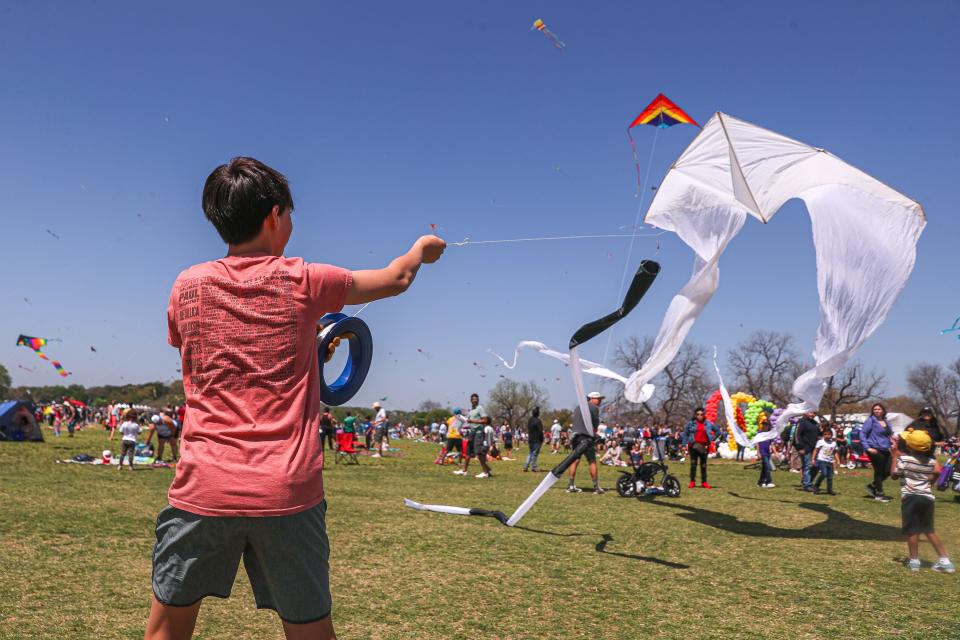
(439, 508)
(548, 481)
(587, 366)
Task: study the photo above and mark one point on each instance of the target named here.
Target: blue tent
(18, 423)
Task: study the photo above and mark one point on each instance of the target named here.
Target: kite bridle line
(636, 220)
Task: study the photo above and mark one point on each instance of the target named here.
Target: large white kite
(865, 236)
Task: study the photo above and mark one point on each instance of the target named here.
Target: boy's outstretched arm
(375, 284)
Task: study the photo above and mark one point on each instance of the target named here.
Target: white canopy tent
(864, 234)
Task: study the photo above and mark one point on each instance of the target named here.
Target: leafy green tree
(5, 382)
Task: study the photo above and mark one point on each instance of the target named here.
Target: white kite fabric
(864, 234)
(580, 365)
(742, 439)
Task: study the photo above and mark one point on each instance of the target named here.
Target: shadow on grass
(837, 526)
(602, 548)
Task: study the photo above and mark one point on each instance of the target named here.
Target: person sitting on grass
(636, 454)
(611, 457)
(250, 484)
(917, 468)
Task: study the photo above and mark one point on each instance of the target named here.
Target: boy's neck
(257, 245)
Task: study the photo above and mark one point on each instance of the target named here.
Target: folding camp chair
(346, 452)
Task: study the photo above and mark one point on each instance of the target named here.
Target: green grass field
(733, 562)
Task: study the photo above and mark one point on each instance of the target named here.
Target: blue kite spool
(357, 334)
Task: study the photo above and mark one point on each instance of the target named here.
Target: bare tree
(938, 387)
(851, 386)
(681, 386)
(765, 365)
(514, 401)
(429, 405)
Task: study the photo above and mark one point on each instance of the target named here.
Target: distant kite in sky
(53, 234)
(661, 113)
(424, 353)
(955, 327)
(37, 345)
(26, 368)
(540, 26)
(93, 349)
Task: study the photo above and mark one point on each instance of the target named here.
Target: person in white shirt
(555, 430)
(381, 429)
(129, 430)
(827, 460)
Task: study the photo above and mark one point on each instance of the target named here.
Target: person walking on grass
(534, 440)
(555, 431)
(250, 484)
(381, 428)
(129, 431)
(763, 452)
(579, 434)
(452, 444)
(697, 436)
(875, 437)
(478, 420)
(827, 459)
(916, 468)
(506, 435)
(327, 430)
(805, 438)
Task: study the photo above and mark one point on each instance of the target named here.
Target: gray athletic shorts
(286, 558)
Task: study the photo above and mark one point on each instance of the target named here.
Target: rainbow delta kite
(37, 344)
(661, 113)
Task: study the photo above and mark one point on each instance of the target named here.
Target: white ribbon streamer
(641, 394)
(729, 411)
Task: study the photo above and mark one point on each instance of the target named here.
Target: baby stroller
(649, 479)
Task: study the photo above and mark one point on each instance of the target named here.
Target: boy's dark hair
(238, 197)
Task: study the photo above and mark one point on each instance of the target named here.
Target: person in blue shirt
(875, 437)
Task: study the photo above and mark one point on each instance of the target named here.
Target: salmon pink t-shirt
(246, 330)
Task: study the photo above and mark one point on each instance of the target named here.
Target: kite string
(636, 222)
(467, 241)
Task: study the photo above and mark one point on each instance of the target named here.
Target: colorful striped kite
(661, 113)
(37, 344)
(540, 26)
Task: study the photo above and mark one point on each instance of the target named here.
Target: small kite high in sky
(540, 26)
(37, 345)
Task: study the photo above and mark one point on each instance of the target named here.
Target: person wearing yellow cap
(916, 467)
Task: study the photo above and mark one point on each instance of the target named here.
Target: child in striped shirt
(916, 468)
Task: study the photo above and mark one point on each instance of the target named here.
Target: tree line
(765, 364)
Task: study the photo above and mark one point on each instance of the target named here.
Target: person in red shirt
(697, 436)
(249, 484)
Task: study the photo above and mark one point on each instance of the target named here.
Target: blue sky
(387, 117)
